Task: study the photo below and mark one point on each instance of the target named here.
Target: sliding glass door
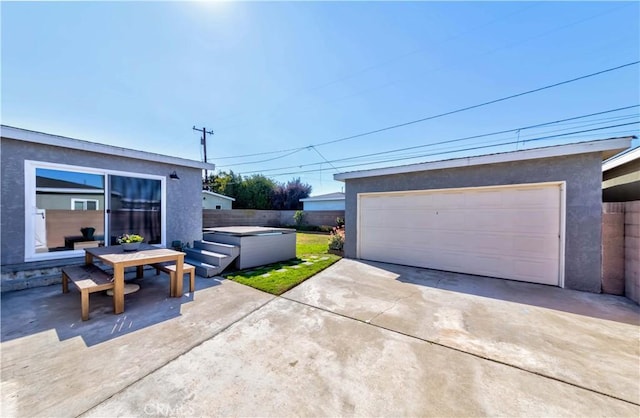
(135, 208)
(69, 208)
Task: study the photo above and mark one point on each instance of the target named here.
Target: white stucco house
(331, 201)
(211, 200)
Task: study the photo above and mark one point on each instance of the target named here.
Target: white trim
(219, 195)
(561, 185)
(318, 199)
(30, 167)
(620, 159)
(358, 218)
(563, 231)
(69, 191)
(73, 203)
(19, 134)
(602, 145)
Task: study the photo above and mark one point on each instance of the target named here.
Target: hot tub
(258, 245)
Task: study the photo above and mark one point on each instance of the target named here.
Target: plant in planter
(130, 242)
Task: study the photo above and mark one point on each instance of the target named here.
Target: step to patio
(204, 269)
(211, 258)
(217, 247)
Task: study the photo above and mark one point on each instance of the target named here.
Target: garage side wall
(581, 172)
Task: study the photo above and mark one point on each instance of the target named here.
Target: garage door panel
(507, 232)
(527, 197)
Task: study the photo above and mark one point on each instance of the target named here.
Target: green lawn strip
(280, 277)
(312, 258)
(307, 244)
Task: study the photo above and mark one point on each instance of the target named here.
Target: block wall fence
(621, 249)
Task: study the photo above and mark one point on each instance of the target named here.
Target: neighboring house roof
(623, 158)
(329, 196)
(608, 147)
(218, 195)
(49, 183)
(621, 177)
(19, 134)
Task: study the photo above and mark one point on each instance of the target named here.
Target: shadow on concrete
(601, 306)
(32, 311)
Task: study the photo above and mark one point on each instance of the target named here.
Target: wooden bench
(88, 279)
(170, 269)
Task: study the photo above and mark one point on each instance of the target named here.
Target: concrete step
(204, 269)
(205, 256)
(217, 247)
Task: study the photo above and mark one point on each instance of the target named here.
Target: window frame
(85, 202)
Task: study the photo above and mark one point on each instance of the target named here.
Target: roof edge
(20, 134)
(607, 147)
(316, 199)
(219, 195)
(621, 158)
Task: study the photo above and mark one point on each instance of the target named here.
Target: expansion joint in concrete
(395, 303)
(191, 348)
(368, 322)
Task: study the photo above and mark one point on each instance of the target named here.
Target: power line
(508, 46)
(513, 96)
(295, 151)
(440, 115)
(323, 157)
(463, 138)
(394, 59)
(464, 149)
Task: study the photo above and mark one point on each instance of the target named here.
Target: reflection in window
(135, 208)
(84, 204)
(68, 213)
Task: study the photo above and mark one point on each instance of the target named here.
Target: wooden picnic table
(116, 257)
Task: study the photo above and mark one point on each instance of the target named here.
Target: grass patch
(311, 244)
(312, 258)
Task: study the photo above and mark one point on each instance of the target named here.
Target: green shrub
(336, 240)
(298, 217)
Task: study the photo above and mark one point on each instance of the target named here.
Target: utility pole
(203, 142)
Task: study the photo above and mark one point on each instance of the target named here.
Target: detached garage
(531, 215)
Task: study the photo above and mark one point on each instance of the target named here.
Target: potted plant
(87, 233)
(130, 242)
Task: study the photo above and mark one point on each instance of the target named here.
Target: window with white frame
(85, 204)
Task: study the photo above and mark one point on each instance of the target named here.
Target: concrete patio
(358, 339)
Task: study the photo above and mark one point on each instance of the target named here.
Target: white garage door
(512, 232)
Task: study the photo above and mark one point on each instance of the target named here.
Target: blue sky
(278, 76)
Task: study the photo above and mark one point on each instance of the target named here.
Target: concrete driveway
(359, 339)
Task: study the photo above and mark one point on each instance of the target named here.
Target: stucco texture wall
(183, 201)
(582, 173)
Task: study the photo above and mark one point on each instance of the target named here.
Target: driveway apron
(289, 359)
(588, 340)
